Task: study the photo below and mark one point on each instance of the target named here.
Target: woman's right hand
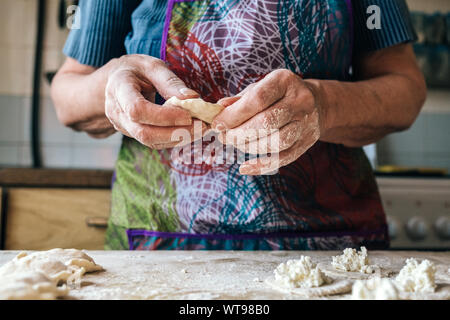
(132, 83)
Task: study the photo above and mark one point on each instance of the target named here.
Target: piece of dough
(60, 265)
(30, 285)
(336, 287)
(198, 108)
(330, 271)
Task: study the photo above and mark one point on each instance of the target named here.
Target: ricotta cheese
(301, 273)
(417, 277)
(352, 260)
(374, 289)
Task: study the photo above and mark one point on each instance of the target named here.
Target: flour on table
(30, 285)
(303, 277)
(417, 277)
(198, 108)
(375, 289)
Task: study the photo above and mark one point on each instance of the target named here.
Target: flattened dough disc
(336, 287)
(198, 108)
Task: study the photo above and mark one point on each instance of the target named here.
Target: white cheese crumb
(302, 273)
(415, 277)
(352, 260)
(374, 289)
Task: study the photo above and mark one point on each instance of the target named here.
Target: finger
(264, 123)
(225, 102)
(262, 95)
(265, 165)
(140, 110)
(166, 146)
(166, 82)
(155, 135)
(276, 142)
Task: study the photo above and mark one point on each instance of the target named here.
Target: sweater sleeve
(103, 27)
(395, 24)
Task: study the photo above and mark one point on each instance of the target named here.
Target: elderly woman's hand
(277, 115)
(130, 101)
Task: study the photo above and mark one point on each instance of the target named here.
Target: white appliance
(418, 212)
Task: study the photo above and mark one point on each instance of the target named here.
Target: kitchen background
(68, 208)
(426, 143)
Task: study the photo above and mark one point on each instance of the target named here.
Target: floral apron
(327, 199)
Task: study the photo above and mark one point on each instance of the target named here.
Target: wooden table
(206, 274)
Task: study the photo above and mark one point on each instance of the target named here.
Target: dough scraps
(30, 285)
(60, 265)
(37, 275)
(198, 108)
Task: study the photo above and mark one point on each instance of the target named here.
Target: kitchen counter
(207, 274)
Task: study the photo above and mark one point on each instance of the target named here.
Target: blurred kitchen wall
(427, 142)
(61, 147)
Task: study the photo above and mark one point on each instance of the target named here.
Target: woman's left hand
(277, 115)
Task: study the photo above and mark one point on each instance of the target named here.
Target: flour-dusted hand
(130, 101)
(277, 115)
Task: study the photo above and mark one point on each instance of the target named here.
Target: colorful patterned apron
(327, 199)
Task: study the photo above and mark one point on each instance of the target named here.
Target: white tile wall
(9, 155)
(61, 147)
(94, 157)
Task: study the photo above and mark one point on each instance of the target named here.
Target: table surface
(207, 274)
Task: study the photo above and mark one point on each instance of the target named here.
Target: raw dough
(303, 277)
(417, 277)
(351, 260)
(37, 275)
(60, 265)
(198, 108)
(337, 287)
(375, 289)
(30, 285)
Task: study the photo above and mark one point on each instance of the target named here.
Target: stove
(418, 212)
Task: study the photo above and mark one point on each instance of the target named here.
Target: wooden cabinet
(38, 217)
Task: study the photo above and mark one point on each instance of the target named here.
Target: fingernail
(188, 92)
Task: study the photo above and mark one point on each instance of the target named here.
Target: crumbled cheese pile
(352, 260)
(374, 289)
(417, 277)
(302, 273)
